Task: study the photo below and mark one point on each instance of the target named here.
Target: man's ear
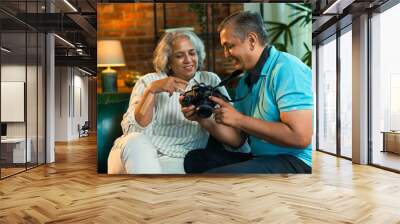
(253, 39)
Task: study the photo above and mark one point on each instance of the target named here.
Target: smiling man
(275, 116)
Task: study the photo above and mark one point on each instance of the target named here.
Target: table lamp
(109, 54)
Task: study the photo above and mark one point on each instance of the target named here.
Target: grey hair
(163, 51)
(244, 22)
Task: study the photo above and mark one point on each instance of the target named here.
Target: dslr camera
(198, 96)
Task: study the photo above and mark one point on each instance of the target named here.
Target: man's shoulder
(288, 63)
(290, 70)
(289, 58)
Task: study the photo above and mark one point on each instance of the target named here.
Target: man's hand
(226, 114)
(225, 134)
(189, 112)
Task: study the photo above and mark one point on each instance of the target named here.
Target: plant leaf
(307, 57)
(299, 7)
(281, 47)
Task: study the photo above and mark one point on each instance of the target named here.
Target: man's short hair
(163, 51)
(244, 22)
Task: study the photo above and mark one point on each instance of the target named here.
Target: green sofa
(110, 109)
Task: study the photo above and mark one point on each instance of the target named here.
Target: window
(346, 93)
(22, 66)
(385, 85)
(327, 96)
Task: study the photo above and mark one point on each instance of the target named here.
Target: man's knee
(193, 161)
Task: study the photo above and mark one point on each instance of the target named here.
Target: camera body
(199, 97)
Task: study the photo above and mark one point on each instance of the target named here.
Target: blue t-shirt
(285, 84)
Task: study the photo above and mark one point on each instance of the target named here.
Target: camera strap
(241, 98)
(254, 76)
(232, 76)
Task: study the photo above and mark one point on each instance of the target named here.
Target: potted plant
(302, 15)
(131, 77)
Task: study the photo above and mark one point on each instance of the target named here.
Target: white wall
(13, 73)
(61, 103)
(16, 73)
(81, 83)
(71, 94)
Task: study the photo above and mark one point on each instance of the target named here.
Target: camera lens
(186, 101)
(204, 111)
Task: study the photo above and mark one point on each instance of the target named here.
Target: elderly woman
(156, 134)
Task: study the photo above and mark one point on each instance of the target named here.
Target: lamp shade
(109, 53)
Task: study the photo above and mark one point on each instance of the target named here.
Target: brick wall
(133, 25)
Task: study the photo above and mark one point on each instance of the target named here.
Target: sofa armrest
(110, 109)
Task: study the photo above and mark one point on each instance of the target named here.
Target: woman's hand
(169, 84)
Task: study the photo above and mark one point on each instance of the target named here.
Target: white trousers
(140, 156)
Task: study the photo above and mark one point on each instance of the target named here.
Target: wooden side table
(391, 141)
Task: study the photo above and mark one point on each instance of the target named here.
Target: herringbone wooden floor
(70, 191)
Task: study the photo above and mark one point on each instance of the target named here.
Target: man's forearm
(274, 132)
(225, 134)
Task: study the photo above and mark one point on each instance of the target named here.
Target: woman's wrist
(151, 89)
(145, 108)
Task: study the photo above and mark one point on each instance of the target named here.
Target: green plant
(301, 16)
(307, 56)
(131, 77)
(200, 10)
